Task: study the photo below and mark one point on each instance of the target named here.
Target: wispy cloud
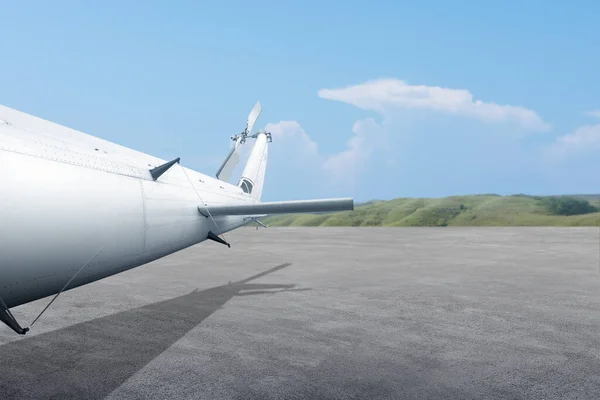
(292, 134)
(348, 164)
(385, 95)
(593, 113)
(341, 167)
(584, 140)
(370, 138)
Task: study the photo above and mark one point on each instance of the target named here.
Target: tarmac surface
(327, 313)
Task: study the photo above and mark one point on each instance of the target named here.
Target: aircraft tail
(253, 177)
(232, 159)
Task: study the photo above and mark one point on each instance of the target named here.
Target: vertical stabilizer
(253, 177)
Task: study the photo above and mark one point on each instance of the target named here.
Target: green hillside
(475, 210)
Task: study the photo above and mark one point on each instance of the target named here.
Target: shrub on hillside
(567, 206)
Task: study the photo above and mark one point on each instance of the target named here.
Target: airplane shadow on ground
(91, 359)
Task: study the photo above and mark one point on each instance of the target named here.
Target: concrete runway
(328, 313)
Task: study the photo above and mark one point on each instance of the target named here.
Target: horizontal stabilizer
(280, 207)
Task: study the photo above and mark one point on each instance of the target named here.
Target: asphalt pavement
(327, 313)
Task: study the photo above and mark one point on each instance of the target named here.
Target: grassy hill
(475, 210)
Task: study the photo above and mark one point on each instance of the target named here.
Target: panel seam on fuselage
(143, 193)
(42, 157)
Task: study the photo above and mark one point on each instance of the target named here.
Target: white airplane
(75, 208)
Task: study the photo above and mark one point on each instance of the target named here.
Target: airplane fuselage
(75, 208)
(61, 206)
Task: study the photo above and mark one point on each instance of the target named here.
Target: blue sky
(378, 99)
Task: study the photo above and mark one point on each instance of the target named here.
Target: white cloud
(345, 166)
(293, 147)
(385, 95)
(593, 113)
(341, 167)
(291, 133)
(585, 139)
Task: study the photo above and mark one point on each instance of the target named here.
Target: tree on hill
(567, 206)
